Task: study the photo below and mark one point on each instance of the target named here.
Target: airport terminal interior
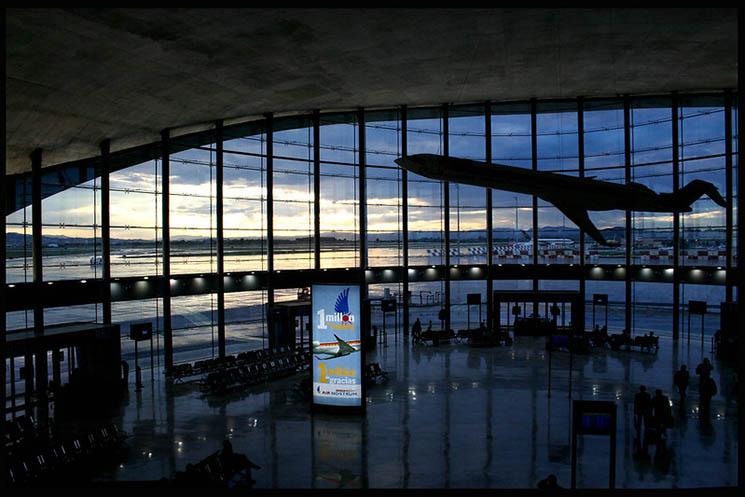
(399, 249)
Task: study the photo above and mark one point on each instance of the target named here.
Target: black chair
(75, 449)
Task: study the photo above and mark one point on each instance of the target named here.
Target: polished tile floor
(450, 416)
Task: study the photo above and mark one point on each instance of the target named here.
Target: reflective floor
(450, 416)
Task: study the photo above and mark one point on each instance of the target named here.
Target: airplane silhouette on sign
(340, 349)
(572, 195)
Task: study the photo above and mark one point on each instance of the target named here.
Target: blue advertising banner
(336, 348)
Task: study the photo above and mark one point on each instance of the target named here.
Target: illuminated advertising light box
(337, 346)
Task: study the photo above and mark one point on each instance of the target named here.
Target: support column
(446, 212)
(3, 282)
(165, 168)
(489, 224)
(317, 188)
(628, 317)
(729, 214)
(362, 211)
(534, 165)
(269, 221)
(40, 359)
(676, 220)
(405, 220)
(740, 245)
(106, 229)
(581, 167)
(219, 169)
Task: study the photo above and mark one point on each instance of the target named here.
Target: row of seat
(198, 368)
(374, 372)
(65, 460)
(219, 470)
(209, 469)
(20, 431)
(250, 373)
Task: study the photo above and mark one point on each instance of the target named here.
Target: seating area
(435, 337)
(256, 366)
(583, 344)
(374, 373)
(39, 454)
(642, 343)
(185, 372)
(218, 470)
(481, 337)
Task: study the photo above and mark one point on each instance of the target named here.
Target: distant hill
(15, 240)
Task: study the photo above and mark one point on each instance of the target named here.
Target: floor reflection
(449, 416)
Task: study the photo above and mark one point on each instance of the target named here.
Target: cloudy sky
(135, 213)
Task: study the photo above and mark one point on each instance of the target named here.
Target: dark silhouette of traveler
(416, 328)
(661, 415)
(604, 330)
(442, 316)
(642, 411)
(681, 379)
(482, 327)
(549, 483)
(125, 373)
(234, 463)
(663, 457)
(707, 390)
(704, 369)
(429, 327)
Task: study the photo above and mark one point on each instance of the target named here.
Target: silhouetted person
(429, 327)
(549, 483)
(443, 317)
(642, 410)
(704, 369)
(234, 463)
(482, 328)
(661, 414)
(604, 330)
(125, 372)
(416, 328)
(681, 379)
(707, 390)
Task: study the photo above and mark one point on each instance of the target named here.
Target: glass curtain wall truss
(316, 204)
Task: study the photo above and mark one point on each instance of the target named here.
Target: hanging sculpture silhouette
(573, 196)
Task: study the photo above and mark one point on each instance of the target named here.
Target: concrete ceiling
(75, 77)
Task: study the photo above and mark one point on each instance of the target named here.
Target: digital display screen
(336, 345)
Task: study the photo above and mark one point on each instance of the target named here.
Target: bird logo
(342, 305)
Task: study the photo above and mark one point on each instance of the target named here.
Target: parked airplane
(573, 196)
(334, 350)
